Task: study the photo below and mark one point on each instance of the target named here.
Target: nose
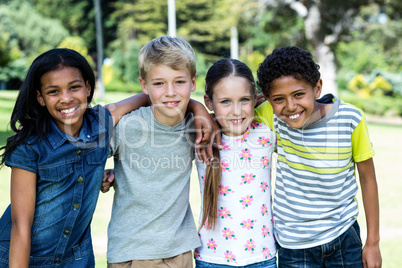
(236, 108)
(291, 104)
(171, 90)
(66, 96)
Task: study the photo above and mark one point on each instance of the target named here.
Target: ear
(88, 88)
(208, 102)
(40, 98)
(318, 89)
(193, 86)
(143, 86)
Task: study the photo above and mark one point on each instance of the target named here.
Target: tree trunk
(322, 53)
(326, 59)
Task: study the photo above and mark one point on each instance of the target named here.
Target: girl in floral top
(236, 227)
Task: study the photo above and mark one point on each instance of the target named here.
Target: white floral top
(244, 231)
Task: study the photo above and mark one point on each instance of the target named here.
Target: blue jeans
(271, 263)
(344, 251)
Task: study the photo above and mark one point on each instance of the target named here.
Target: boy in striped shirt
(320, 142)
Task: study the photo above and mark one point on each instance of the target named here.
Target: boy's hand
(108, 180)
(204, 147)
(260, 99)
(371, 256)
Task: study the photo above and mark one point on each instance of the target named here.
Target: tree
(24, 34)
(34, 33)
(326, 23)
(78, 17)
(141, 20)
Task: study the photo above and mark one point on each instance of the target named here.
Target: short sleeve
(23, 157)
(265, 114)
(361, 145)
(114, 141)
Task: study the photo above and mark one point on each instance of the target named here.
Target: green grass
(386, 140)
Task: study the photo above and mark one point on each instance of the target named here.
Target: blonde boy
(152, 222)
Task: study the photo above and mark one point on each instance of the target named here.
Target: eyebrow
(293, 92)
(69, 83)
(176, 77)
(229, 97)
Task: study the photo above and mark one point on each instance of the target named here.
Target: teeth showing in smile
(67, 111)
(170, 103)
(294, 116)
(236, 121)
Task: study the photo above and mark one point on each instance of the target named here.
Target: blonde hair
(170, 51)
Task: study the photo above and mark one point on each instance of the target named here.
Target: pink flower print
(211, 244)
(228, 234)
(249, 246)
(224, 190)
(225, 146)
(224, 213)
(263, 141)
(247, 178)
(241, 139)
(246, 201)
(197, 254)
(248, 224)
(230, 257)
(264, 161)
(264, 186)
(255, 124)
(245, 154)
(225, 166)
(264, 210)
(265, 231)
(205, 226)
(266, 253)
(244, 136)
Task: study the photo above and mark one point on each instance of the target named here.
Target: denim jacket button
(76, 206)
(66, 232)
(80, 179)
(79, 152)
(57, 260)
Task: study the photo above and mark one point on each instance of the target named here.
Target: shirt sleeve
(114, 141)
(23, 157)
(265, 114)
(362, 148)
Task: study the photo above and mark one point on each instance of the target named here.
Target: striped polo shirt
(315, 192)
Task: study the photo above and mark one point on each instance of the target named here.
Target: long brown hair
(219, 70)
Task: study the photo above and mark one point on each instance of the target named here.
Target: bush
(118, 86)
(376, 105)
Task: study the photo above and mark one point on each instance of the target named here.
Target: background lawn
(387, 141)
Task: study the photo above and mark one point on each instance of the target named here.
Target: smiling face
(64, 93)
(233, 104)
(169, 91)
(294, 101)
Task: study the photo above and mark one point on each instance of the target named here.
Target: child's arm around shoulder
(23, 195)
(207, 129)
(119, 109)
(368, 183)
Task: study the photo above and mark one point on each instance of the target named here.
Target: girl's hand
(108, 180)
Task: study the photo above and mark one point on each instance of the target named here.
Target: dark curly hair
(287, 61)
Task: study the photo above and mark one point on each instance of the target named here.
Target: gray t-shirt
(151, 214)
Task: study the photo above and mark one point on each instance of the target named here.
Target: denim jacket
(69, 176)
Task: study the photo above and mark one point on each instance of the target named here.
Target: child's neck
(169, 121)
(321, 110)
